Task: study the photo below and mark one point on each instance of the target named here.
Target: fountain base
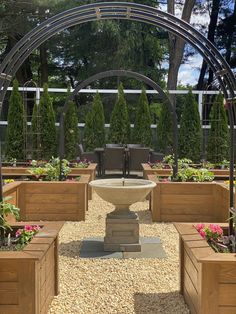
(122, 234)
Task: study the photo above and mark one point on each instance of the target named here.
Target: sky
(189, 72)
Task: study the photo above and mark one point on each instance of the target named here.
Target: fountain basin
(122, 225)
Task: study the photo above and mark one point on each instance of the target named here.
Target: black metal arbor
(131, 12)
(122, 73)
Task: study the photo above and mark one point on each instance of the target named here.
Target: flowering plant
(25, 235)
(80, 164)
(213, 234)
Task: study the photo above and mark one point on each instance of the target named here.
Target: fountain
(122, 224)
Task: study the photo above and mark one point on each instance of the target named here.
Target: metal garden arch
(122, 73)
(132, 12)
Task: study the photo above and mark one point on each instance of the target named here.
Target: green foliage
(16, 125)
(218, 141)
(165, 129)
(196, 175)
(35, 132)
(71, 131)
(88, 138)
(98, 121)
(190, 130)
(119, 123)
(47, 128)
(5, 210)
(142, 126)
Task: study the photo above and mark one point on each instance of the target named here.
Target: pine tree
(165, 129)
(47, 128)
(190, 130)
(88, 137)
(35, 132)
(142, 132)
(71, 131)
(16, 125)
(98, 121)
(218, 141)
(119, 123)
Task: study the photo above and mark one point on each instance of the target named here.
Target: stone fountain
(122, 224)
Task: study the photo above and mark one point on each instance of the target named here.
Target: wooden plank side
(51, 198)
(50, 187)
(185, 218)
(54, 217)
(52, 208)
(191, 290)
(227, 310)
(227, 273)
(10, 309)
(189, 302)
(187, 203)
(227, 293)
(187, 188)
(155, 203)
(191, 270)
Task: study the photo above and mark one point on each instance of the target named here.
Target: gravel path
(123, 286)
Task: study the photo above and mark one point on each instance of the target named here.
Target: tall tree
(16, 125)
(190, 130)
(71, 131)
(88, 137)
(142, 126)
(218, 140)
(120, 124)
(177, 44)
(165, 130)
(47, 128)
(98, 121)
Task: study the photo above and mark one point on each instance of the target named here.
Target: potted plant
(28, 264)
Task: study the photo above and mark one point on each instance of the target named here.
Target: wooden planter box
(207, 279)
(50, 201)
(147, 170)
(189, 201)
(9, 172)
(29, 278)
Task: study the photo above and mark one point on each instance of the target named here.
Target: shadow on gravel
(145, 216)
(70, 249)
(165, 303)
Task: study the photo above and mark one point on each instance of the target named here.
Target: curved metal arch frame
(121, 73)
(132, 12)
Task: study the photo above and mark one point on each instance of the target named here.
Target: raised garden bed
(9, 172)
(50, 201)
(29, 278)
(207, 279)
(189, 201)
(148, 170)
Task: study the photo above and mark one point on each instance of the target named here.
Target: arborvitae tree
(119, 123)
(98, 121)
(142, 126)
(165, 129)
(190, 130)
(88, 138)
(47, 128)
(218, 141)
(71, 131)
(36, 137)
(16, 125)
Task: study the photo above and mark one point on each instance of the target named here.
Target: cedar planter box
(24, 171)
(207, 279)
(29, 278)
(189, 201)
(50, 201)
(147, 170)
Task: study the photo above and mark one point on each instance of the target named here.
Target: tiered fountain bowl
(122, 224)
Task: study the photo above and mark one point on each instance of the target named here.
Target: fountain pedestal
(122, 225)
(122, 231)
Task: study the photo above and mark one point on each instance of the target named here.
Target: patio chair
(137, 156)
(114, 159)
(155, 156)
(113, 145)
(90, 156)
(134, 145)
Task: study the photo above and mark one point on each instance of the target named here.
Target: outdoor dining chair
(113, 145)
(90, 156)
(137, 156)
(114, 159)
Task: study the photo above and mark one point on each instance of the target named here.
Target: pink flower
(202, 233)
(28, 227)
(18, 232)
(199, 226)
(216, 229)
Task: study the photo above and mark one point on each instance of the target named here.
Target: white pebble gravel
(121, 286)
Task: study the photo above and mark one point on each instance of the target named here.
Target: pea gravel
(107, 286)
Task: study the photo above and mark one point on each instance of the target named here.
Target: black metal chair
(113, 159)
(90, 156)
(134, 145)
(137, 156)
(113, 145)
(155, 156)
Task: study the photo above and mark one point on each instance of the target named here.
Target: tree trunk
(176, 45)
(211, 37)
